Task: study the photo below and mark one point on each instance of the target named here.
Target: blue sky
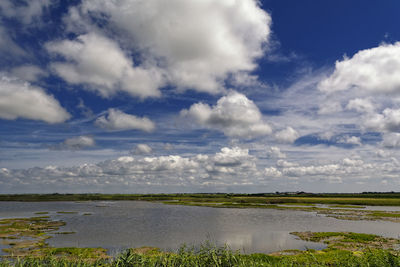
(199, 96)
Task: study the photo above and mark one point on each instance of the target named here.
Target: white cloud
(231, 156)
(231, 166)
(77, 143)
(329, 108)
(361, 105)
(272, 172)
(391, 120)
(24, 11)
(99, 63)
(351, 140)
(302, 171)
(223, 168)
(29, 73)
(391, 140)
(234, 114)
(197, 43)
(8, 48)
(380, 153)
(288, 135)
(285, 164)
(275, 152)
(117, 120)
(19, 99)
(142, 149)
(374, 70)
(352, 162)
(326, 135)
(388, 121)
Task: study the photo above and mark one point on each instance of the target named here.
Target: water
(123, 224)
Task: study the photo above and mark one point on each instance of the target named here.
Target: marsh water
(123, 224)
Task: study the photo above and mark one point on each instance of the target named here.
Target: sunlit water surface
(123, 224)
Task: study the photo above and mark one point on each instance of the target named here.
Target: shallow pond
(123, 224)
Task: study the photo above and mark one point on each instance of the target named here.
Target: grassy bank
(209, 255)
(26, 237)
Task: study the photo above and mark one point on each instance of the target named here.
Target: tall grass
(208, 255)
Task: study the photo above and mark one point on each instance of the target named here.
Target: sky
(154, 96)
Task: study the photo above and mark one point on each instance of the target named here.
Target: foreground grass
(209, 255)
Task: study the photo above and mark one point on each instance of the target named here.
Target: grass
(347, 206)
(300, 204)
(208, 255)
(26, 237)
(350, 241)
(381, 214)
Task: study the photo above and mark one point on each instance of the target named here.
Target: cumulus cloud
(329, 108)
(231, 156)
(29, 73)
(330, 169)
(391, 140)
(77, 143)
(24, 11)
(99, 63)
(272, 172)
(117, 120)
(288, 135)
(380, 153)
(223, 168)
(198, 44)
(361, 105)
(275, 152)
(388, 121)
(142, 149)
(374, 70)
(362, 84)
(231, 166)
(19, 99)
(234, 114)
(350, 140)
(285, 164)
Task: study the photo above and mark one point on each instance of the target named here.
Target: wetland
(284, 228)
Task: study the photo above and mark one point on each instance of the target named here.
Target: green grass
(208, 255)
(385, 214)
(299, 204)
(353, 237)
(347, 206)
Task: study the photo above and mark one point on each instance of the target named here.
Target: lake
(124, 224)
